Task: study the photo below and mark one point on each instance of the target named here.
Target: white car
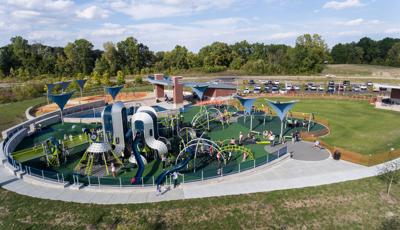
(283, 91)
(321, 88)
(313, 88)
(356, 89)
(296, 87)
(246, 91)
(277, 82)
(289, 86)
(363, 87)
(257, 89)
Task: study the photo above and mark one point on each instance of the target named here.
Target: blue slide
(161, 178)
(138, 157)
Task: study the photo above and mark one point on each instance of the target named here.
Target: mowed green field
(355, 125)
(12, 113)
(350, 205)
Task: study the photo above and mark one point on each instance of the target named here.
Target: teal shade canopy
(114, 91)
(281, 108)
(200, 90)
(247, 103)
(61, 99)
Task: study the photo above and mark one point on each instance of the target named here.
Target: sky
(162, 24)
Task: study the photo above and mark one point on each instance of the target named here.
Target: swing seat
(263, 142)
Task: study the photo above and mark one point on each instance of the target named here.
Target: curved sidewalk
(288, 174)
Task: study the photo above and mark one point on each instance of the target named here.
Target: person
(211, 151)
(293, 137)
(240, 138)
(175, 178)
(218, 156)
(317, 144)
(163, 160)
(232, 142)
(229, 156)
(113, 170)
(122, 156)
(272, 140)
(159, 190)
(244, 156)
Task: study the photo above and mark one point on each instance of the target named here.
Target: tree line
(22, 60)
(368, 51)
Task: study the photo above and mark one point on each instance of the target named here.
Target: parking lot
(287, 87)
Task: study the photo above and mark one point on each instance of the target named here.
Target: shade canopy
(81, 83)
(50, 87)
(247, 103)
(99, 148)
(114, 90)
(281, 108)
(61, 99)
(200, 90)
(64, 85)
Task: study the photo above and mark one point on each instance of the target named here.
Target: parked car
(313, 88)
(277, 82)
(275, 89)
(257, 89)
(289, 86)
(370, 84)
(251, 82)
(296, 88)
(246, 91)
(321, 88)
(356, 88)
(363, 87)
(331, 89)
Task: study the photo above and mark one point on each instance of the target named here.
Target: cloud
(25, 14)
(336, 5)
(392, 31)
(42, 4)
(147, 9)
(92, 12)
(354, 22)
(285, 35)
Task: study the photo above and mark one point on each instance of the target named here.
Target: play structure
(135, 144)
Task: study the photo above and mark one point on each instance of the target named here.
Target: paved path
(287, 174)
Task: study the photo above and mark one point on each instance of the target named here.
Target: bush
(213, 69)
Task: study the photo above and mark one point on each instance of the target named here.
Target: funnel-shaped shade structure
(61, 99)
(247, 103)
(281, 108)
(64, 85)
(200, 90)
(81, 83)
(113, 91)
(50, 88)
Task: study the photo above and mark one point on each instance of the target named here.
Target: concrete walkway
(288, 174)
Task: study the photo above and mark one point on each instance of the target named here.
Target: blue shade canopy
(113, 91)
(200, 90)
(61, 99)
(81, 83)
(50, 87)
(247, 103)
(64, 85)
(281, 108)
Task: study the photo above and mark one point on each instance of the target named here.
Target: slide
(143, 121)
(161, 178)
(138, 157)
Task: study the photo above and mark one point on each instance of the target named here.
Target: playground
(145, 145)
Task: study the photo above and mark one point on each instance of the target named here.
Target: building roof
(214, 85)
(386, 86)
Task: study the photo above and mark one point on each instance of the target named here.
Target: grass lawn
(355, 125)
(349, 205)
(13, 113)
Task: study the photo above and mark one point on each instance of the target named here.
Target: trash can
(336, 155)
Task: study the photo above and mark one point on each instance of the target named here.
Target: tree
(176, 58)
(105, 80)
(80, 56)
(216, 54)
(393, 56)
(309, 54)
(120, 77)
(390, 174)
